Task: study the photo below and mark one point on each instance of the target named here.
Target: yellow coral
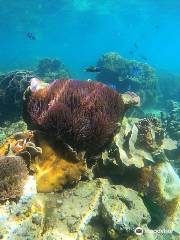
(5, 147)
(56, 167)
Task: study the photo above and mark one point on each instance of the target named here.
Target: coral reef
(169, 85)
(12, 87)
(123, 210)
(57, 166)
(171, 123)
(50, 69)
(83, 114)
(171, 120)
(85, 171)
(76, 213)
(136, 143)
(128, 75)
(161, 187)
(152, 175)
(150, 133)
(54, 165)
(142, 191)
(8, 128)
(13, 174)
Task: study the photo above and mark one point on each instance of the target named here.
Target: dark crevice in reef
(157, 214)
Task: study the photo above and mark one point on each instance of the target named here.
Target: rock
(123, 210)
(161, 187)
(84, 213)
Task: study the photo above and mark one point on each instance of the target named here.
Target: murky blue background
(79, 31)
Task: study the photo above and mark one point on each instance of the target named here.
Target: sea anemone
(83, 114)
(13, 174)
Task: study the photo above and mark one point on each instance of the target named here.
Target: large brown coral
(13, 174)
(84, 114)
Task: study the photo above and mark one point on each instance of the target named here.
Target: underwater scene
(89, 120)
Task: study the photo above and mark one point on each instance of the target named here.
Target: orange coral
(17, 142)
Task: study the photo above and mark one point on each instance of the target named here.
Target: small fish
(93, 69)
(31, 36)
(131, 52)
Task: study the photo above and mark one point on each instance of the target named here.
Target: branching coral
(13, 173)
(83, 114)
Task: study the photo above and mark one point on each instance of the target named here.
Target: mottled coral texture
(84, 114)
(13, 174)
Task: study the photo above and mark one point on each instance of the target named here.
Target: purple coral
(84, 114)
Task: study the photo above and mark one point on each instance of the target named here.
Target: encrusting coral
(83, 114)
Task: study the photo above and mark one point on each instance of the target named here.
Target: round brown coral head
(83, 114)
(13, 174)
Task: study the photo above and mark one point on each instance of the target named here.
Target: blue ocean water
(79, 31)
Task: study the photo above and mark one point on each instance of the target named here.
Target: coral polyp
(83, 114)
